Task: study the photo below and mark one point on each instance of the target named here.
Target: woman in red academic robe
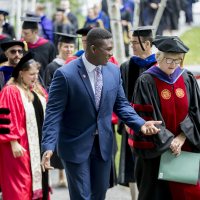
(168, 93)
(21, 174)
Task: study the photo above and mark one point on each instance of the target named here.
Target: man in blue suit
(80, 125)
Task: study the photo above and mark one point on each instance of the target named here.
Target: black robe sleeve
(49, 72)
(191, 124)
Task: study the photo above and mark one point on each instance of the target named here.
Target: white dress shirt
(90, 68)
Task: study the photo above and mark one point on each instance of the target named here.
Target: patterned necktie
(98, 86)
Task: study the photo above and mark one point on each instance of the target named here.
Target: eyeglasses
(171, 60)
(14, 51)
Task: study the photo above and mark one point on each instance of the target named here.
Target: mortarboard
(30, 22)
(20, 65)
(31, 14)
(4, 12)
(170, 44)
(11, 43)
(84, 31)
(66, 38)
(60, 9)
(143, 31)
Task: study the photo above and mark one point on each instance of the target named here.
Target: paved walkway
(116, 193)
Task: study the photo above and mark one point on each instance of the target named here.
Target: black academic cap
(60, 9)
(30, 22)
(84, 31)
(11, 43)
(20, 65)
(170, 44)
(144, 31)
(66, 38)
(4, 12)
(31, 14)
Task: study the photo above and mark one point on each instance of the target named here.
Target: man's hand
(149, 127)
(177, 144)
(46, 160)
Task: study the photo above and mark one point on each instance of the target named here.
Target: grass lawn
(192, 39)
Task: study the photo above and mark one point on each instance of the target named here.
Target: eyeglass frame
(14, 51)
(173, 60)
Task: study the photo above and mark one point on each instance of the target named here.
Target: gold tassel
(25, 46)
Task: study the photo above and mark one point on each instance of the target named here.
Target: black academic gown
(49, 71)
(130, 71)
(40, 118)
(48, 76)
(147, 162)
(44, 52)
(8, 30)
(3, 38)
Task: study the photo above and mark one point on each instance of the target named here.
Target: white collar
(89, 66)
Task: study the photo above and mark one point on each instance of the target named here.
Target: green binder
(183, 168)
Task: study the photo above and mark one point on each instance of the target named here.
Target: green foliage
(192, 40)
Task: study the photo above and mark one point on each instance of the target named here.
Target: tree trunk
(158, 16)
(136, 17)
(116, 28)
(18, 19)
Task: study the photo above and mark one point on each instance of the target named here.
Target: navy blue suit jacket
(72, 118)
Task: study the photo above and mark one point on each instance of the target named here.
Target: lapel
(85, 78)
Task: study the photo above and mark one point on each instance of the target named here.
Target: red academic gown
(175, 98)
(16, 180)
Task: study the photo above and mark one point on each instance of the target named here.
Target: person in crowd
(148, 11)
(102, 15)
(126, 26)
(13, 51)
(62, 24)
(66, 48)
(169, 93)
(113, 175)
(188, 9)
(20, 169)
(65, 4)
(4, 38)
(170, 19)
(141, 60)
(83, 32)
(46, 24)
(78, 117)
(104, 6)
(44, 51)
(5, 27)
(130, 6)
(93, 19)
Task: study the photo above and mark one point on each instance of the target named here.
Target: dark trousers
(88, 180)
